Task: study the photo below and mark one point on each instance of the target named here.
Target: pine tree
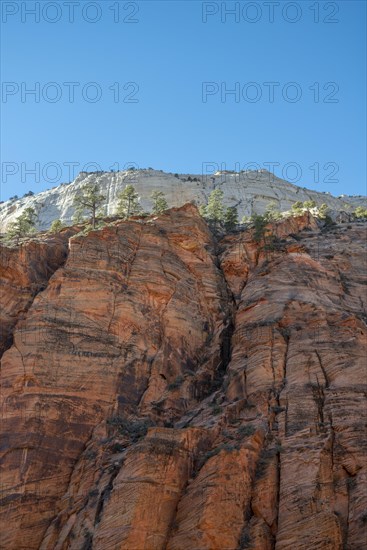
(271, 213)
(360, 212)
(297, 208)
(214, 211)
(323, 210)
(202, 211)
(160, 203)
(128, 202)
(23, 225)
(260, 223)
(78, 217)
(56, 226)
(89, 201)
(230, 218)
(309, 204)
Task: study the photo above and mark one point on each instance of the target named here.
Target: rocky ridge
(249, 191)
(163, 390)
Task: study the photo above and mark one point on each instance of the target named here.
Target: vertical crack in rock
(323, 369)
(214, 399)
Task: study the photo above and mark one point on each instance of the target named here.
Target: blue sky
(176, 61)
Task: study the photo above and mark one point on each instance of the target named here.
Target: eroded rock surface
(167, 391)
(250, 191)
(24, 272)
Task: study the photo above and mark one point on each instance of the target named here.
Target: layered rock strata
(168, 391)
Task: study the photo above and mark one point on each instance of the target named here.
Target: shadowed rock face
(166, 391)
(24, 272)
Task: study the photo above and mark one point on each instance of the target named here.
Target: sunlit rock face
(166, 389)
(250, 191)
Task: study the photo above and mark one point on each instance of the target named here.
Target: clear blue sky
(168, 53)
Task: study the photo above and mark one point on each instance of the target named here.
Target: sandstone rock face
(24, 272)
(168, 391)
(298, 356)
(250, 191)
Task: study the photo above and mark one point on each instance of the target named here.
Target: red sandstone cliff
(164, 391)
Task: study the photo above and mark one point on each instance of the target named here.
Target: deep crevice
(106, 494)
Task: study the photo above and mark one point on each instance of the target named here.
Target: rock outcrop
(168, 391)
(249, 191)
(24, 272)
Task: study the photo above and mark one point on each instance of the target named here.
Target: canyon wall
(165, 389)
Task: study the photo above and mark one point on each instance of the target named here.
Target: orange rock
(168, 391)
(24, 272)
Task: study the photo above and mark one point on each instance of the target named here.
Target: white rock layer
(249, 191)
